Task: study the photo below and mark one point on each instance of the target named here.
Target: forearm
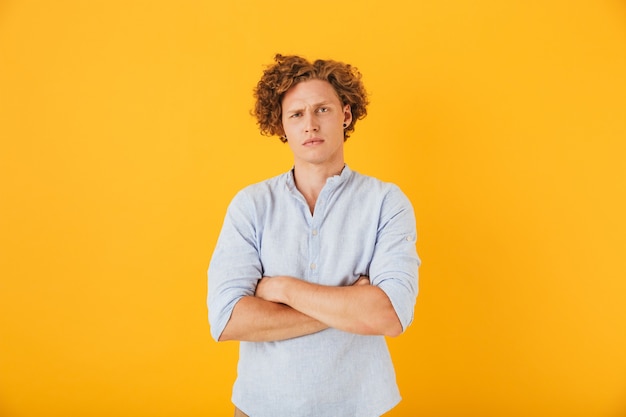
(256, 320)
(360, 309)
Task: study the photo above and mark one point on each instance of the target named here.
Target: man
(314, 267)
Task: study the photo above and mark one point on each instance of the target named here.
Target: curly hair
(289, 70)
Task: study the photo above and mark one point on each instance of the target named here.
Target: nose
(311, 124)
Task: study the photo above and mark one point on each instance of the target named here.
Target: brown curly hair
(290, 70)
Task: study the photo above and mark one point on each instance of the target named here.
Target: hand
(268, 288)
(363, 280)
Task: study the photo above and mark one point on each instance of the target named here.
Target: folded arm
(257, 320)
(362, 308)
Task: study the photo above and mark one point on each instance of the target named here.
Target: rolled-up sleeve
(235, 266)
(395, 263)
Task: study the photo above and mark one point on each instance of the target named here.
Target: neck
(310, 179)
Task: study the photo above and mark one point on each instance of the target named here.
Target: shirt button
(313, 266)
(314, 232)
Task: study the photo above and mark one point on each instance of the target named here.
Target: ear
(281, 134)
(347, 114)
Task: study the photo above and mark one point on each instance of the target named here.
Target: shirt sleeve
(235, 266)
(395, 263)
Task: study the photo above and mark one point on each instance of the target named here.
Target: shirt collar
(333, 181)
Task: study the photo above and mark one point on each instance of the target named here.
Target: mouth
(313, 142)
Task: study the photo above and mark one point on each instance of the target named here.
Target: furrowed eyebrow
(292, 111)
(301, 109)
(322, 103)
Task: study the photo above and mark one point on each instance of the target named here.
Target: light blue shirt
(360, 226)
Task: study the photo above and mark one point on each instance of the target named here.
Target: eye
(295, 115)
(322, 109)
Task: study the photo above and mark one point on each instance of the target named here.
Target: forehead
(310, 92)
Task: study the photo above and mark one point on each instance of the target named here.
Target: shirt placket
(315, 242)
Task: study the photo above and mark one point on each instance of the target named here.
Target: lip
(313, 142)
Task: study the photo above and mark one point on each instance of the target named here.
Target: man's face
(313, 118)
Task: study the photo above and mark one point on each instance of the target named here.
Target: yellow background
(125, 131)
